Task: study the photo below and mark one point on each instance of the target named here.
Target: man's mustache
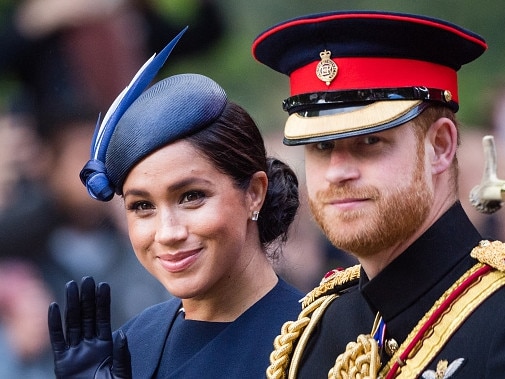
(335, 193)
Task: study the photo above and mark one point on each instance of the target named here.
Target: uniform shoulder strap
(490, 253)
(334, 282)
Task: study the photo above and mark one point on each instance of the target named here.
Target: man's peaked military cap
(354, 73)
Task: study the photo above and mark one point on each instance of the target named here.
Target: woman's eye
(140, 206)
(192, 196)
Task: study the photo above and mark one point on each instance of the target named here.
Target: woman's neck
(235, 295)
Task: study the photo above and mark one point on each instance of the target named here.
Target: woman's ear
(443, 137)
(257, 190)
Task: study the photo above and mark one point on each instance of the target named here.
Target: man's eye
(325, 145)
(192, 196)
(371, 140)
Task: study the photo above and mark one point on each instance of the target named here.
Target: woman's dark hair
(235, 145)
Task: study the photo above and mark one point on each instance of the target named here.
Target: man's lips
(179, 261)
(347, 200)
(347, 203)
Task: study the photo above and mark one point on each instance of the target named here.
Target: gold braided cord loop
(285, 342)
(283, 347)
(360, 360)
(305, 336)
(285, 358)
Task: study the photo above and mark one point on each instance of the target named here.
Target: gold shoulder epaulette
(335, 282)
(490, 253)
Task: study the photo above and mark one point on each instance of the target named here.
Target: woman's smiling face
(188, 223)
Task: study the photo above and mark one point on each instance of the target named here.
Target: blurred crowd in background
(62, 63)
(66, 61)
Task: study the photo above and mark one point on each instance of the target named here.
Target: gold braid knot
(289, 345)
(360, 360)
(491, 253)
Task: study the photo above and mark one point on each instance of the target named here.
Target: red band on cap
(356, 73)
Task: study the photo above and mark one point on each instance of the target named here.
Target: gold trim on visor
(356, 119)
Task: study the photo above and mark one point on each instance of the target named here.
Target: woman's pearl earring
(255, 215)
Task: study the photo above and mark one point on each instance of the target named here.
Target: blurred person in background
(60, 53)
(23, 344)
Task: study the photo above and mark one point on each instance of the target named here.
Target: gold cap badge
(326, 70)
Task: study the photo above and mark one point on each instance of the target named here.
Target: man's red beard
(398, 213)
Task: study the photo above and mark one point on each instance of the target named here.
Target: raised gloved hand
(86, 349)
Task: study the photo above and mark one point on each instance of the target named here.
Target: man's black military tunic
(403, 292)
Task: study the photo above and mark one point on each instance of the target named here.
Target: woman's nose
(170, 229)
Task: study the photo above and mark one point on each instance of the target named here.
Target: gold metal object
(326, 70)
(391, 346)
(447, 95)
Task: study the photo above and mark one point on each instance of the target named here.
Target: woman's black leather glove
(86, 349)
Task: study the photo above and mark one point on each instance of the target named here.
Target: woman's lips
(180, 261)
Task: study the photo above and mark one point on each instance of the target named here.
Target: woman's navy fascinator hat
(138, 122)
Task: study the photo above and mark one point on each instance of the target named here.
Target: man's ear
(443, 137)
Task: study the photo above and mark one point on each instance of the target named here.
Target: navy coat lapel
(147, 334)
